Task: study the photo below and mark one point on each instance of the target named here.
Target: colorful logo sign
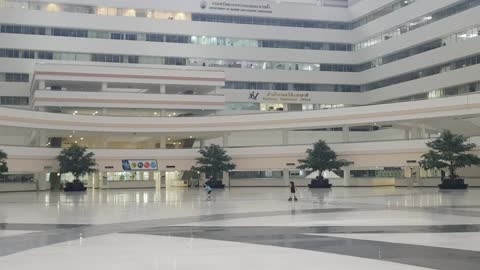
(139, 165)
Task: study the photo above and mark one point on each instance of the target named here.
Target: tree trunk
(451, 168)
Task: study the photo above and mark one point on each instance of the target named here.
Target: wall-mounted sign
(139, 164)
(280, 96)
(232, 6)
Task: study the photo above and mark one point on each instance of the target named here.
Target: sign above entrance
(280, 96)
(139, 165)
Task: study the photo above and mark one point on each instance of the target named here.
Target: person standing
(208, 189)
(292, 192)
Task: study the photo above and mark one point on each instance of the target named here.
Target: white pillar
(160, 181)
(346, 133)
(346, 177)
(285, 137)
(41, 85)
(42, 138)
(41, 181)
(286, 176)
(225, 139)
(163, 142)
(202, 143)
(90, 179)
(104, 86)
(226, 179)
(33, 138)
(163, 89)
(96, 180)
(407, 134)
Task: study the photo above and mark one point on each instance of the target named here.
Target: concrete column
(104, 142)
(41, 181)
(158, 180)
(202, 143)
(103, 180)
(286, 176)
(163, 142)
(346, 133)
(422, 132)
(104, 111)
(226, 179)
(163, 89)
(285, 137)
(225, 139)
(203, 178)
(407, 134)
(90, 179)
(42, 138)
(33, 138)
(163, 179)
(104, 86)
(96, 180)
(346, 177)
(41, 85)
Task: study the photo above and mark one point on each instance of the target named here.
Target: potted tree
(213, 162)
(3, 162)
(77, 161)
(321, 158)
(450, 151)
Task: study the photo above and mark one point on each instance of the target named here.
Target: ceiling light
(76, 141)
(70, 136)
(191, 137)
(81, 138)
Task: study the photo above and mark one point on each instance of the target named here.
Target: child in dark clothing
(292, 192)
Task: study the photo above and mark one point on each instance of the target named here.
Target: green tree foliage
(75, 160)
(3, 162)
(214, 161)
(449, 151)
(322, 158)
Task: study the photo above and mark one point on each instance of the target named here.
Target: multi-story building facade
(265, 79)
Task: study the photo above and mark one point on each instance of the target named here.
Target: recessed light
(70, 136)
(76, 141)
(191, 137)
(81, 138)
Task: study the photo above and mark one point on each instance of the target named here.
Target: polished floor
(241, 228)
